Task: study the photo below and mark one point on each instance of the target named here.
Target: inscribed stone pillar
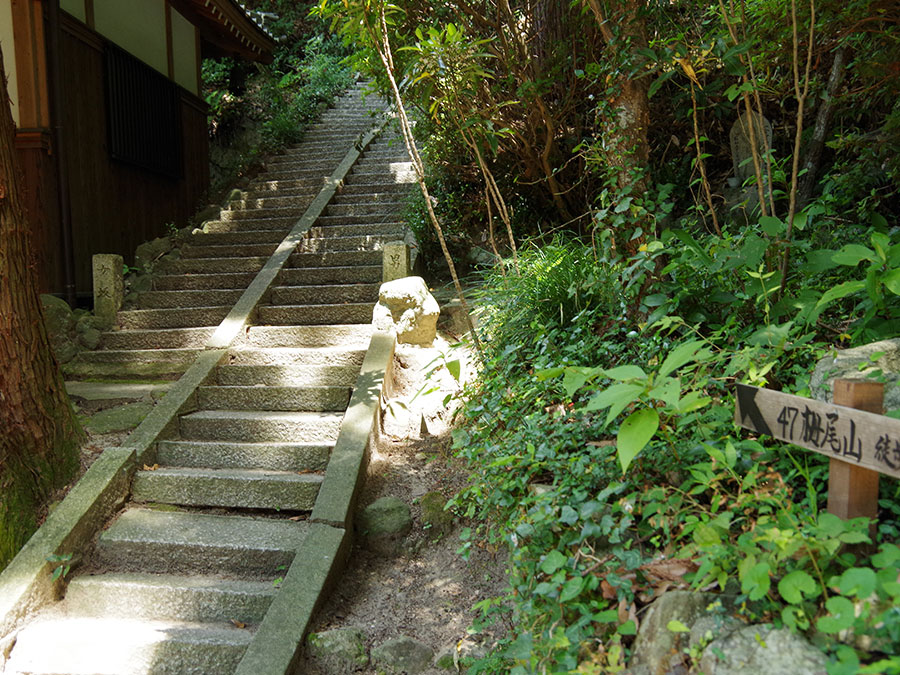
(395, 261)
(109, 287)
(741, 148)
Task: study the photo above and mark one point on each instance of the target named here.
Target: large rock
(657, 648)
(762, 649)
(59, 321)
(342, 650)
(402, 655)
(383, 524)
(858, 364)
(407, 309)
(149, 252)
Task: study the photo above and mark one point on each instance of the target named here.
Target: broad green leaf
(772, 225)
(635, 432)
(628, 372)
(692, 401)
(455, 368)
(756, 582)
(554, 561)
(840, 615)
(549, 373)
(892, 281)
(621, 392)
(655, 300)
(840, 291)
(819, 260)
(575, 378)
(627, 628)
(682, 354)
(668, 391)
(688, 240)
(521, 648)
(795, 585)
(571, 589)
(677, 627)
(852, 254)
(888, 554)
(858, 581)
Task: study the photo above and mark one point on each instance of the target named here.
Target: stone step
(261, 426)
(124, 370)
(343, 336)
(332, 374)
(326, 275)
(330, 294)
(299, 357)
(366, 219)
(186, 282)
(298, 202)
(359, 188)
(298, 174)
(235, 237)
(168, 338)
(88, 646)
(183, 542)
(175, 355)
(188, 298)
(369, 242)
(293, 315)
(222, 455)
(274, 397)
(392, 231)
(213, 265)
(282, 225)
(389, 198)
(312, 161)
(356, 208)
(189, 317)
(398, 175)
(234, 488)
(169, 597)
(335, 259)
(227, 250)
(263, 185)
(276, 213)
(107, 391)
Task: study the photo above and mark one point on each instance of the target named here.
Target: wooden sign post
(860, 442)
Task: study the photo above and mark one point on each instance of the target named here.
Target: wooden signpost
(860, 441)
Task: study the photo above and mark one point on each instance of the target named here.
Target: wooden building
(111, 129)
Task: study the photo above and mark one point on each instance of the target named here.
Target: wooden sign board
(853, 436)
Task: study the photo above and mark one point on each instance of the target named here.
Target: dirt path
(428, 591)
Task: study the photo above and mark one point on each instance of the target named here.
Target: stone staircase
(180, 580)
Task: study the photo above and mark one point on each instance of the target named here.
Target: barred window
(143, 113)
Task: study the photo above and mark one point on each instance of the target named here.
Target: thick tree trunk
(627, 146)
(39, 435)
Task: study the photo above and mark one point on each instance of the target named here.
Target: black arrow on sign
(746, 398)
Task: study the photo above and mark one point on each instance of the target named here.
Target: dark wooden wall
(114, 206)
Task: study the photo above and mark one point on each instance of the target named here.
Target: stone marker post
(395, 261)
(109, 287)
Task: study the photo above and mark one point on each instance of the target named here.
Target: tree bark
(40, 436)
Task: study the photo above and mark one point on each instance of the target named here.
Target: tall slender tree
(39, 435)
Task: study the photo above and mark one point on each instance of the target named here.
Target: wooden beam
(89, 13)
(31, 63)
(170, 54)
(853, 489)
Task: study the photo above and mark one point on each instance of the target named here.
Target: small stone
(209, 212)
(383, 525)
(403, 655)
(340, 650)
(120, 418)
(762, 649)
(438, 521)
